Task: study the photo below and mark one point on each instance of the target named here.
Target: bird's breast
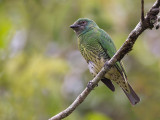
(96, 65)
(96, 58)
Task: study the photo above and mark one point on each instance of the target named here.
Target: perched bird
(97, 47)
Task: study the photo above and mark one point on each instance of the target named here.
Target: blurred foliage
(42, 72)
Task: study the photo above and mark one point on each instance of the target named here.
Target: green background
(42, 71)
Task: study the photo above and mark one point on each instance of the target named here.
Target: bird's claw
(106, 64)
(90, 85)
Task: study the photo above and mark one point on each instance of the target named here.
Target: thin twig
(142, 10)
(125, 48)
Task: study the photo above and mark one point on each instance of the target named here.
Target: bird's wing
(109, 47)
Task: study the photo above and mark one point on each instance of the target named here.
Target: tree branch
(148, 22)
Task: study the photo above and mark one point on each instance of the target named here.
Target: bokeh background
(42, 71)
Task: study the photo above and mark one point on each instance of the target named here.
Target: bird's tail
(132, 96)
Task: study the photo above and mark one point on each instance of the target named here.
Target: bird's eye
(83, 22)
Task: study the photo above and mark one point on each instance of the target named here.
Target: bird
(97, 47)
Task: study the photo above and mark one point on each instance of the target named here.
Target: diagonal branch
(148, 22)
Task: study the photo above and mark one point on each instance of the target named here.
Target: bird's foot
(90, 85)
(106, 64)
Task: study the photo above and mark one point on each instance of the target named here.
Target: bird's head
(83, 25)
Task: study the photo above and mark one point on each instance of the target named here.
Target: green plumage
(97, 47)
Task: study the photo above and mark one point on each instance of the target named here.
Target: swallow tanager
(97, 47)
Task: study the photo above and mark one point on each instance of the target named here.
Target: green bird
(97, 47)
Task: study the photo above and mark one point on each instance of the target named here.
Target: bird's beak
(74, 26)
